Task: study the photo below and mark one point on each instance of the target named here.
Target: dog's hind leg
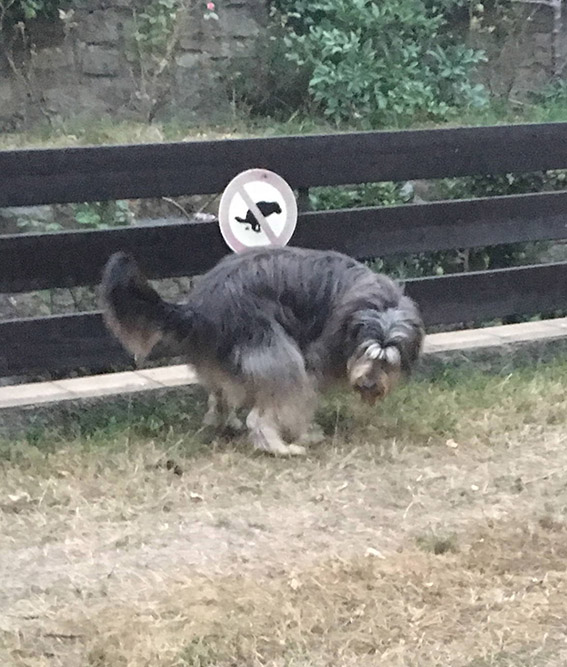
(233, 423)
(280, 392)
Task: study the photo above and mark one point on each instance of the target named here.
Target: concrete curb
(471, 345)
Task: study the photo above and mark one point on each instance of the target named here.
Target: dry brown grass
(500, 601)
(430, 534)
(408, 609)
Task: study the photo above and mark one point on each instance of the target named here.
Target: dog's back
(300, 289)
(311, 295)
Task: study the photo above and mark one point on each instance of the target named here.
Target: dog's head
(374, 371)
(387, 345)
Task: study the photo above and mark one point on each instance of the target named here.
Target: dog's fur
(268, 329)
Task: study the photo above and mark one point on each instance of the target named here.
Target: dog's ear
(410, 349)
(406, 331)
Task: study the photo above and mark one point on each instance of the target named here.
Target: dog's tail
(134, 311)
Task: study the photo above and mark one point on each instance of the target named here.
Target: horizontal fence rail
(484, 295)
(100, 173)
(167, 248)
(72, 341)
(58, 343)
(164, 250)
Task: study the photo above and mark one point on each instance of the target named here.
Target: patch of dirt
(96, 534)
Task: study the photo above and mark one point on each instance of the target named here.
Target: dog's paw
(313, 436)
(279, 449)
(234, 425)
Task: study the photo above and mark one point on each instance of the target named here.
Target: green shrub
(382, 62)
(355, 196)
(102, 215)
(26, 10)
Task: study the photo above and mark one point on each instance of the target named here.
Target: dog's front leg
(212, 416)
(220, 415)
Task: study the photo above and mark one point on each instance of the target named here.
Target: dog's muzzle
(370, 391)
(374, 373)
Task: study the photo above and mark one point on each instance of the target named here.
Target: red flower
(211, 6)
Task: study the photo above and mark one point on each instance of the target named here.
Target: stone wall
(520, 60)
(87, 65)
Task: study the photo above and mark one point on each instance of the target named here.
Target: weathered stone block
(94, 5)
(105, 95)
(61, 99)
(46, 33)
(100, 61)
(54, 58)
(242, 48)
(191, 42)
(8, 100)
(218, 48)
(191, 85)
(542, 41)
(4, 66)
(238, 22)
(189, 60)
(98, 27)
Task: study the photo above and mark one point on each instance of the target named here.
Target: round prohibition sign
(258, 209)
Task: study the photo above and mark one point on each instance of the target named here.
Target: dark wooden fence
(179, 248)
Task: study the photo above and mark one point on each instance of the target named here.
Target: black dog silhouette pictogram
(266, 208)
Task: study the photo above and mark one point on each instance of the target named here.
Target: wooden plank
(34, 261)
(77, 174)
(485, 295)
(41, 261)
(373, 232)
(72, 341)
(59, 343)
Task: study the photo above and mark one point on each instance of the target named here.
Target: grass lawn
(429, 531)
(112, 131)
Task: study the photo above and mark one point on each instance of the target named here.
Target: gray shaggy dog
(269, 329)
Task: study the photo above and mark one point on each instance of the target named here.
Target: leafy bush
(88, 215)
(102, 215)
(155, 24)
(355, 196)
(25, 10)
(554, 94)
(266, 85)
(379, 61)
(501, 184)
